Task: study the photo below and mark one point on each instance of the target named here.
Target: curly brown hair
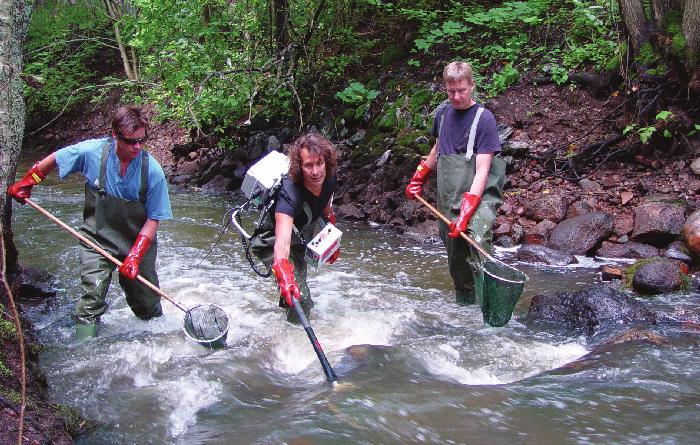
(317, 146)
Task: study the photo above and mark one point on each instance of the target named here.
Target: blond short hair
(457, 71)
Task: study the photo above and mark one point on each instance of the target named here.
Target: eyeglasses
(134, 141)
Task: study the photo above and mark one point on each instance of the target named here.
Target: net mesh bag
(503, 286)
(206, 323)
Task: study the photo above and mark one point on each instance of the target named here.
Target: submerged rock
(585, 311)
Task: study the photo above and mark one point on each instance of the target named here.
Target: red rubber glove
(130, 266)
(330, 217)
(22, 189)
(469, 204)
(284, 273)
(415, 185)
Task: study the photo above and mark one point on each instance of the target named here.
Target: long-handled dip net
(503, 284)
(207, 324)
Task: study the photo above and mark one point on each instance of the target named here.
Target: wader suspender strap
(103, 171)
(472, 131)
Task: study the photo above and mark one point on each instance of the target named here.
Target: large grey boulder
(581, 234)
(658, 223)
(587, 310)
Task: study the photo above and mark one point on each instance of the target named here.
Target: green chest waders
(114, 223)
(263, 248)
(455, 174)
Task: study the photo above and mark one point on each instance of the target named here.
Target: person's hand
(284, 274)
(415, 185)
(130, 266)
(22, 189)
(469, 204)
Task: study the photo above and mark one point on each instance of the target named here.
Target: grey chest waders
(111, 224)
(467, 265)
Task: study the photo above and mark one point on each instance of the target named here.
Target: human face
(460, 94)
(313, 169)
(129, 144)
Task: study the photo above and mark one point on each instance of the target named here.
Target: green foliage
(645, 133)
(503, 79)
(65, 45)
(673, 23)
(356, 93)
(7, 330)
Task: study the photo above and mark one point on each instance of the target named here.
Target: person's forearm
(48, 164)
(483, 165)
(431, 160)
(149, 228)
(283, 236)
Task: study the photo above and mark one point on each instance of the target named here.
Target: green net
(503, 286)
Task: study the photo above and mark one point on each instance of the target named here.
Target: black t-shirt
(456, 126)
(292, 197)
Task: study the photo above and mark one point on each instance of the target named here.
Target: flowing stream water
(414, 367)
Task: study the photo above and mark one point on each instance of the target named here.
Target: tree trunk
(14, 21)
(115, 10)
(691, 31)
(281, 24)
(635, 23)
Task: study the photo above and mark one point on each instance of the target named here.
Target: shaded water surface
(414, 367)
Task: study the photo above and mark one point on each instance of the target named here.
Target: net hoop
(220, 315)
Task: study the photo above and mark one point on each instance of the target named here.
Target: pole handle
(466, 237)
(330, 374)
(99, 250)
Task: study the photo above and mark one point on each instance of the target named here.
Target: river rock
(581, 234)
(587, 310)
(552, 207)
(657, 277)
(678, 251)
(626, 250)
(36, 284)
(695, 166)
(535, 253)
(218, 184)
(609, 273)
(690, 234)
(623, 224)
(658, 223)
(544, 228)
(578, 208)
(350, 211)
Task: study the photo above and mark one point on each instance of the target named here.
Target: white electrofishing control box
(319, 249)
(263, 174)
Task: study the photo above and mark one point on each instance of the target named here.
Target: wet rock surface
(586, 311)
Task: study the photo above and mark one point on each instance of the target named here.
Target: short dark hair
(128, 119)
(317, 146)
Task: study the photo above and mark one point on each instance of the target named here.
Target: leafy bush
(64, 46)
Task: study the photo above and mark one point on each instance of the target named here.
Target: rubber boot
(85, 330)
(465, 296)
